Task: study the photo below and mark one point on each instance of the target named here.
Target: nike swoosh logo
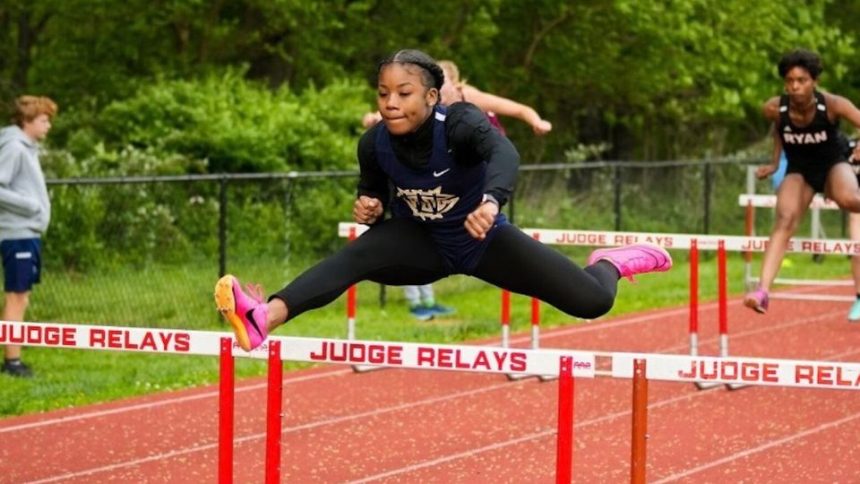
(437, 174)
(250, 316)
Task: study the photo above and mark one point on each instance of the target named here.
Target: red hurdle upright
(226, 408)
(274, 405)
(639, 435)
(694, 297)
(351, 299)
(225, 411)
(722, 305)
(722, 298)
(564, 442)
(506, 318)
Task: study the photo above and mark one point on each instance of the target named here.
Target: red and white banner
(481, 359)
(150, 340)
(733, 243)
(476, 359)
(748, 371)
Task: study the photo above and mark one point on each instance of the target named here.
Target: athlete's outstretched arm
(507, 107)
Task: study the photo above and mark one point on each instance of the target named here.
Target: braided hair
(431, 74)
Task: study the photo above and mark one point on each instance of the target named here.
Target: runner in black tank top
(451, 172)
(804, 125)
(813, 149)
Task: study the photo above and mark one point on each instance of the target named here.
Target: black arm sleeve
(474, 140)
(372, 181)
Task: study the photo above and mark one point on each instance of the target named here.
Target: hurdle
(691, 242)
(567, 365)
(563, 364)
(752, 201)
(351, 230)
(534, 337)
(694, 243)
(352, 303)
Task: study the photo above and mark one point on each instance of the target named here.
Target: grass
(67, 378)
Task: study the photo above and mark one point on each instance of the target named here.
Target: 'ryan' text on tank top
(804, 138)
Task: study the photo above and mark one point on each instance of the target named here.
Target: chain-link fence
(147, 250)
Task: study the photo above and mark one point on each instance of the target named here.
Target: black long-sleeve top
(471, 140)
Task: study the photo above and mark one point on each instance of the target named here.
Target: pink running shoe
(248, 314)
(634, 259)
(757, 300)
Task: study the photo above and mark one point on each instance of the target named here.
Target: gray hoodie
(25, 208)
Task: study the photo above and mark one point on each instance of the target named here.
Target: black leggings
(400, 252)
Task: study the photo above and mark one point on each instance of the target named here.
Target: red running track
(429, 426)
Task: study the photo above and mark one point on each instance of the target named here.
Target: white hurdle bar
(734, 243)
(751, 201)
(837, 375)
(428, 356)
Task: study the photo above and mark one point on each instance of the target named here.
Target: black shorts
(815, 175)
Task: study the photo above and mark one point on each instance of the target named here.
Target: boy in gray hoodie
(25, 211)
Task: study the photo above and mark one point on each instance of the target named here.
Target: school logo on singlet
(428, 204)
(804, 138)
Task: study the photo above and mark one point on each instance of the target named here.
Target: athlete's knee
(596, 307)
(848, 201)
(787, 221)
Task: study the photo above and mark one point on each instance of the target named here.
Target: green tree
(652, 78)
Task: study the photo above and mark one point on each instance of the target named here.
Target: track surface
(430, 426)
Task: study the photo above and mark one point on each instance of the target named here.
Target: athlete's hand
(479, 222)
(765, 171)
(542, 127)
(366, 210)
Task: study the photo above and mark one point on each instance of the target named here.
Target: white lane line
(579, 425)
(761, 448)
(262, 435)
(526, 438)
(161, 403)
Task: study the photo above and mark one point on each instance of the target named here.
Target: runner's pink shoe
(757, 300)
(634, 259)
(248, 314)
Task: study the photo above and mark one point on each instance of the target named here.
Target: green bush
(237, 125)
(217, 123)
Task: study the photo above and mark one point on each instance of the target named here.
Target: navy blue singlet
(439, 196)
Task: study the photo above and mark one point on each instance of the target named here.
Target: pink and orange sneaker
(248, 314)
(757, 300)
(634, 259)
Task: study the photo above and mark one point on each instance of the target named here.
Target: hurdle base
(736, 386)
(706, 386)
(366, 368)
(518, 376)
(548, 378)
